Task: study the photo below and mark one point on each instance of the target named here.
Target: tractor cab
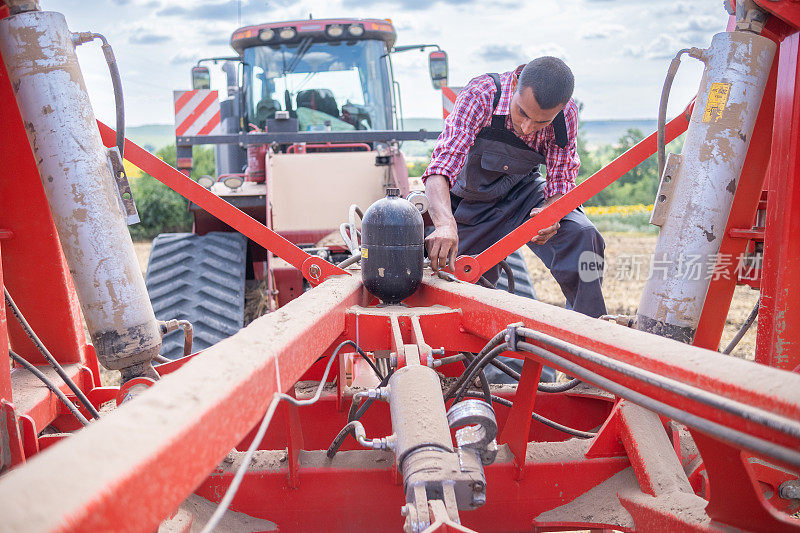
(324, 76)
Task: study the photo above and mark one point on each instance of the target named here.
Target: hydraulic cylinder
(698, 186)
(39, 53)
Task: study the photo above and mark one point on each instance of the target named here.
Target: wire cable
(226, 500)
(50, 359)
(50, 385)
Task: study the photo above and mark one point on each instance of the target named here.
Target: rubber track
(523, 286)
(199, 279)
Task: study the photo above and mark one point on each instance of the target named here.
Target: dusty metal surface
(151, 442)
(73, 165)
(700, 184)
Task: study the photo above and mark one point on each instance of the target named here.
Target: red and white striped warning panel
(196, 112)
(449, 95)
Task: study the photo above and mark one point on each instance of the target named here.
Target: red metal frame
(777, 343)
(159, 460)
(314, 268)
(159, 448)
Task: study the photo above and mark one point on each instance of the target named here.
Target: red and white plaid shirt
(473, 111)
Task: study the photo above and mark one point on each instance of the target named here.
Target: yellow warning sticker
(717, 100)
(364, 252)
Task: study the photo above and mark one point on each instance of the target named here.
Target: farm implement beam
(161, 445)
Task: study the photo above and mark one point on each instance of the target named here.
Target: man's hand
(443, 246)
(443, 242)
(545, 233)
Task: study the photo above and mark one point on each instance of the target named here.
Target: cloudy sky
(619, 50)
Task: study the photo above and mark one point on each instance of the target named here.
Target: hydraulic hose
(662, 110)
(50, 385)
(226, 500)
(738, 438)
(46, 353)
(116, 81)
(549, 423)
(715, 401)
(743, 330)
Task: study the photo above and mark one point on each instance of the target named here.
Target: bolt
(314, 271)
(404, 510)
(478, 486)
(790, 490)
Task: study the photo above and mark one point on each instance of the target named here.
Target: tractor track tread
(199, 278)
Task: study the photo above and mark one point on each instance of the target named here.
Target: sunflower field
(622, 218)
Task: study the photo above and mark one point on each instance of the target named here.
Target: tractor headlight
(233, 182)
(334, 30)
(287, 33)
(206, 181)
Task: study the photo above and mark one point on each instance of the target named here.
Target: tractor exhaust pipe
(39, 52)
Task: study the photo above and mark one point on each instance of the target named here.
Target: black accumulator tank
(392, 248)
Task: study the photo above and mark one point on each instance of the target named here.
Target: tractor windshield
(341, 85)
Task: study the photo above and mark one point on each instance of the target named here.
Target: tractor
(312, 125)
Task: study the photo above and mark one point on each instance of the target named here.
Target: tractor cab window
(341, 85)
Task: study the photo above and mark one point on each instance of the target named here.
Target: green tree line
(162, 210)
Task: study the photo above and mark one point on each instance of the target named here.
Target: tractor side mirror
(437, 64)
(201, 78)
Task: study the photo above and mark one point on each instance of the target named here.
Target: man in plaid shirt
(483, 180)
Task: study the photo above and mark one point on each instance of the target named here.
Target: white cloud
(602, 31)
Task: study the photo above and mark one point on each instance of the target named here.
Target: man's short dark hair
(550, 79)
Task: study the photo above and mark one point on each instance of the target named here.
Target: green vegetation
(161, 209)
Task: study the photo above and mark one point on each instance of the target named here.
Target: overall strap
(560, 129)
(498, 121)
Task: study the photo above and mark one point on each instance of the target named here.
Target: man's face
(526, 115)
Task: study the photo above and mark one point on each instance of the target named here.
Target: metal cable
(50, 359)
(50, 385)
(226, 500)
(738, 438)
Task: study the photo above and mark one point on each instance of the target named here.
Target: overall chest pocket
(491, 174)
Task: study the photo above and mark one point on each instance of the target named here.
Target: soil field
(622, 286)
(627, 264)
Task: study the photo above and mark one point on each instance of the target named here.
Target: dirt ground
(622, 289)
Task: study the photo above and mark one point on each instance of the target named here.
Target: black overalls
(494, 194)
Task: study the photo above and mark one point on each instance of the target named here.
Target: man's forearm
(437, 189)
